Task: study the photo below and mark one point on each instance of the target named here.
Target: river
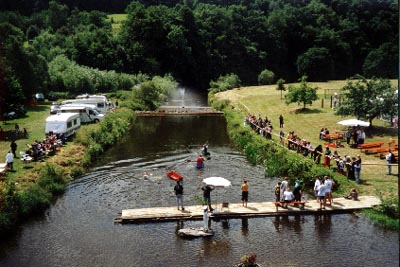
(79, 229)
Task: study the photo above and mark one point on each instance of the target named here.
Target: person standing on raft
(179, 194)
(245, 193)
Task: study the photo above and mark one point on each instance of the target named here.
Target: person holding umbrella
(207, 195)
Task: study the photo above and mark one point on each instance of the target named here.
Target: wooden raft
(235, 210)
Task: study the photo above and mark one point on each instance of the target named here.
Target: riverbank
(266, 101)
(30, 188)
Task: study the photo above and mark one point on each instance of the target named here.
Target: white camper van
(63, 123)
(87, 113)
(100, 103)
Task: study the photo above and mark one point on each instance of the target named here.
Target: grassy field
(34, 122)
(266, 101)
(116, 20)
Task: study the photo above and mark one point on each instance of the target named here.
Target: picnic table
(370, 145)
(334, 136)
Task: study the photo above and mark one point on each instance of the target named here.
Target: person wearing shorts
(245, 193)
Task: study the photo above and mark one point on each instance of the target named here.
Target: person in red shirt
(200, 162)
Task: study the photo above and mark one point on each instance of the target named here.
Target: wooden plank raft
(235, 210)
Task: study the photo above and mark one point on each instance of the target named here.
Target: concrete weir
(236, 210)
(181, 110)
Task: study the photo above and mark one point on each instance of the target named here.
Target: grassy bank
(266, 101)
(28, 191)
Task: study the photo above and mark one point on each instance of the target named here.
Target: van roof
(86, 96)
(68, 107)
(62, 117)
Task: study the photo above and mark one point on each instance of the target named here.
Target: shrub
(51, 179)
(224, 83)
(266, 77)
(32, 200)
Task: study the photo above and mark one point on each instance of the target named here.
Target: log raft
(236, 210)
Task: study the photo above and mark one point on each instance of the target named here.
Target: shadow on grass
(380, 131)
(306, 111)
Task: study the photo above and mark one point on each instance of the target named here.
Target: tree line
(194, 41)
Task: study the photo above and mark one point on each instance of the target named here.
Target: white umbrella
(217, 181)
(353, 122)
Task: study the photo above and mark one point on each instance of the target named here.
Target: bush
(224, 83)
(266, 77)
(32, 200)
(51, 179)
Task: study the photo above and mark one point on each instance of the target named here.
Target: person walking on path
(207, 195)
(245, 193)
(13, 147)
(280, 121)
(389, 160)
(10, 160)
(179, 194)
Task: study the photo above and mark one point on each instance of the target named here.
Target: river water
(78, 229)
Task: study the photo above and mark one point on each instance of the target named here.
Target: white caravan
(100, 103)
(87, 113)
(63, 124)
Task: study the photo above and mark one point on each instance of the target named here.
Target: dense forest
(72, 46)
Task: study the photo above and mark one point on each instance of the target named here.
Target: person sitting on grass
(352, 195)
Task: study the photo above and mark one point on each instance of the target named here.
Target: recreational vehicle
(87, 113)
(100, 103)
(63, 124)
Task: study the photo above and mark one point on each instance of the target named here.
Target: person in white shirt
(10, 160)
(284, 185)
(288, 197)
(317, 184)
(321, 195)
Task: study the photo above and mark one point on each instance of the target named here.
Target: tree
(148, 94)
(368, 99)
(281, 85)
(316, 63)
(382, 61)
(302, 94)
(266, 77)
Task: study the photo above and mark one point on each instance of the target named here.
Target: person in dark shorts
(245, 193)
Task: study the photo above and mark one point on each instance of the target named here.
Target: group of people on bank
(350, 166)
(34, 152)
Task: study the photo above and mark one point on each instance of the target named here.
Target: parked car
(39, 97)
(14, 111)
